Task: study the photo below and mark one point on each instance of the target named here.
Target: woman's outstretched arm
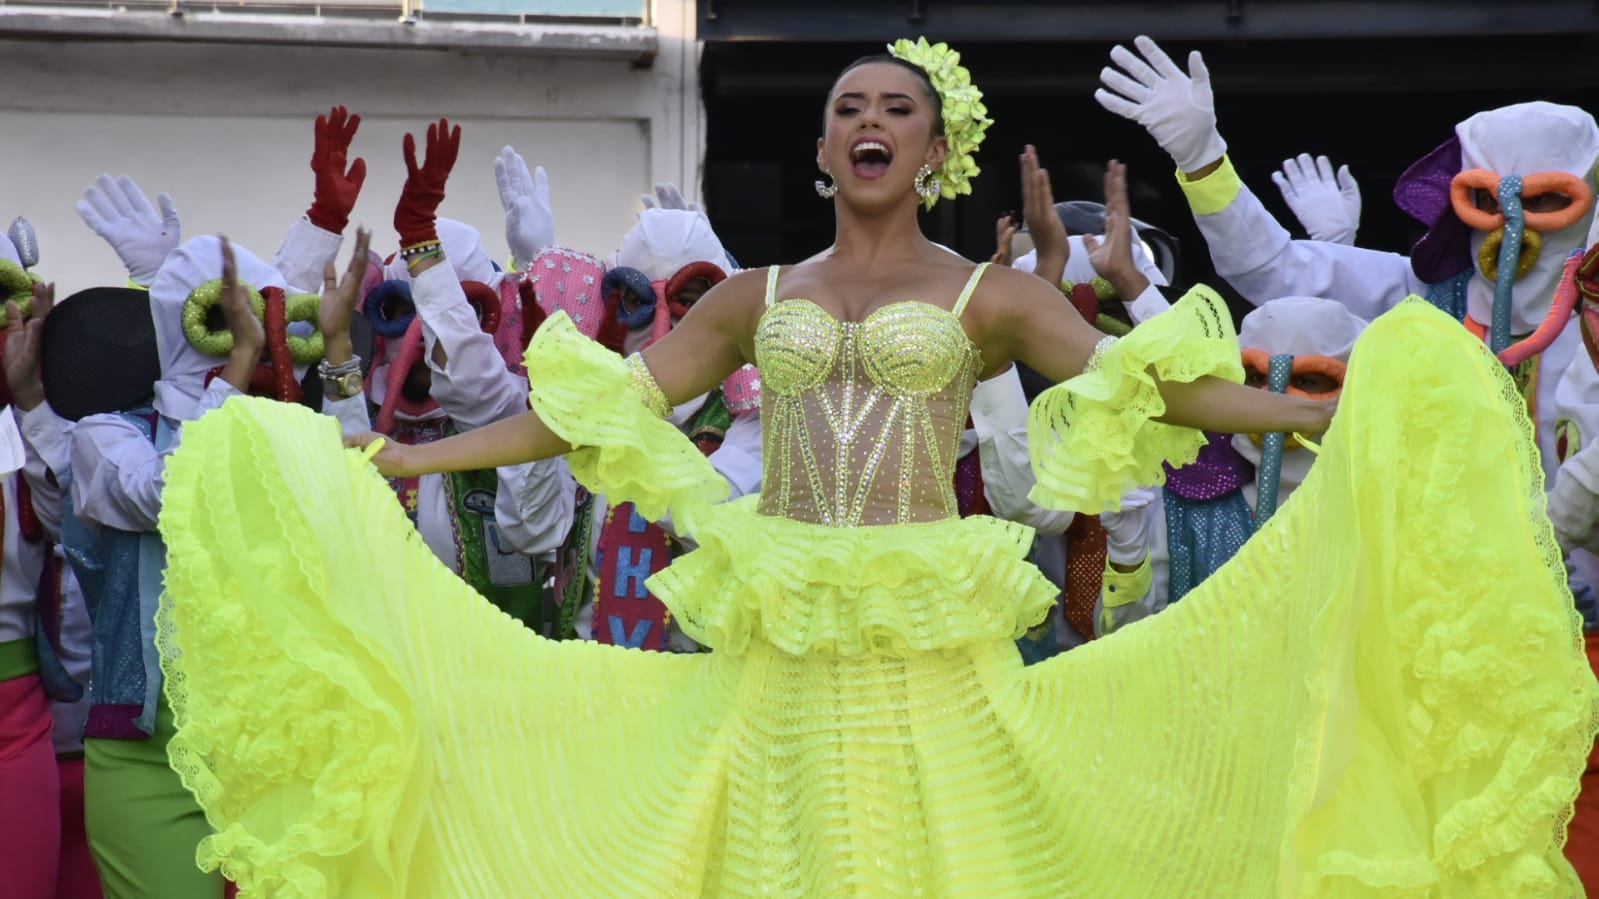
(698, 354)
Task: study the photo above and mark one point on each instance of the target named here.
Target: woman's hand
(1322, 416)
(338, 301)
(392, 459)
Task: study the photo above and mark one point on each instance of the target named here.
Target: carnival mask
(1309, 375)
(1509, 216)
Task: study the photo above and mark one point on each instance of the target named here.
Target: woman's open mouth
(869, 159)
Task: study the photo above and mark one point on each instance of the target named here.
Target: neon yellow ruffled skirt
(1383, 694)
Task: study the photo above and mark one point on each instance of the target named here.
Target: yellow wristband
(1214, 192)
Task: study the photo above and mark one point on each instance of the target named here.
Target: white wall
(227, 130)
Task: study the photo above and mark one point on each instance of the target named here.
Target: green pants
(143, 825)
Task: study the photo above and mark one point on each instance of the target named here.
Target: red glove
(336, 189)
(417, 212)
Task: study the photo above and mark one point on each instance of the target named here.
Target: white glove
(118, 211)
(1127, 531)
(1573, 507)
(1176, 109)
(529, 221)
(1327, 205)
(667, 196)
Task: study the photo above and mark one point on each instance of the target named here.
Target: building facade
(215, 105)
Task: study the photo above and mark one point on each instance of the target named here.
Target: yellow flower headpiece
(965, 118)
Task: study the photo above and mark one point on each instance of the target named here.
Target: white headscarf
(665, 240)
(195, 261)
(1296, 326)
(1522, 140)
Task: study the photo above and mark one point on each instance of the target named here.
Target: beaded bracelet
(420, 249)
(644, 385)
(1097, 357)
(416, 259)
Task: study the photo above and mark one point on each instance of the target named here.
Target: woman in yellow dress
(1382, 694)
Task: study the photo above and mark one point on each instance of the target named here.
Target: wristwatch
(341, 381)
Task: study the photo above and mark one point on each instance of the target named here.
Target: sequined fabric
(1218, 471)
(863, 419)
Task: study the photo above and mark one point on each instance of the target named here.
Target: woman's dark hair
(921, 75)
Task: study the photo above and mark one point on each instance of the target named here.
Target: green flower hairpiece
(966, 119)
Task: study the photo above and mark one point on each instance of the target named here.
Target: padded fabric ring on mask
(16, 285)
(638, 285)
(391, 309)
(1512, 246)
(275, 376)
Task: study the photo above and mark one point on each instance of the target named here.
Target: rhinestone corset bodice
(863, 420)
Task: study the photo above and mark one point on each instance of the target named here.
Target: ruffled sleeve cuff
(1094, 438)
(585, 394)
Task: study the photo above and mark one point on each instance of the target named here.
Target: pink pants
(77, 877)
(30, 829)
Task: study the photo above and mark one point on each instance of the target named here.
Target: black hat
(99, 352)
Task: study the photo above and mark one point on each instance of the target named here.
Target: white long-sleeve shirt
(23, 561)
(47, 436)
(534, 504)
(1257, 256)
(999, 435)
(118, 475)
(304, 255)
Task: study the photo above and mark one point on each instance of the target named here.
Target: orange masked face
(1550, 200)
(1314, 377)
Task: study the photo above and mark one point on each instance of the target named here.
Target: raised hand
(339, 298)
(1004, 233)
(1326, 204)
(1176, 108)
(529, 220)
(668, 196)
(23, 339)
(1112, 257)
(338, 181)
(416, 215)
(249, 336)
(118, 211)
(1043, 224)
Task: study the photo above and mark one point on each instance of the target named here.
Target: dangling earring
(925, 189)
(826, 189)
